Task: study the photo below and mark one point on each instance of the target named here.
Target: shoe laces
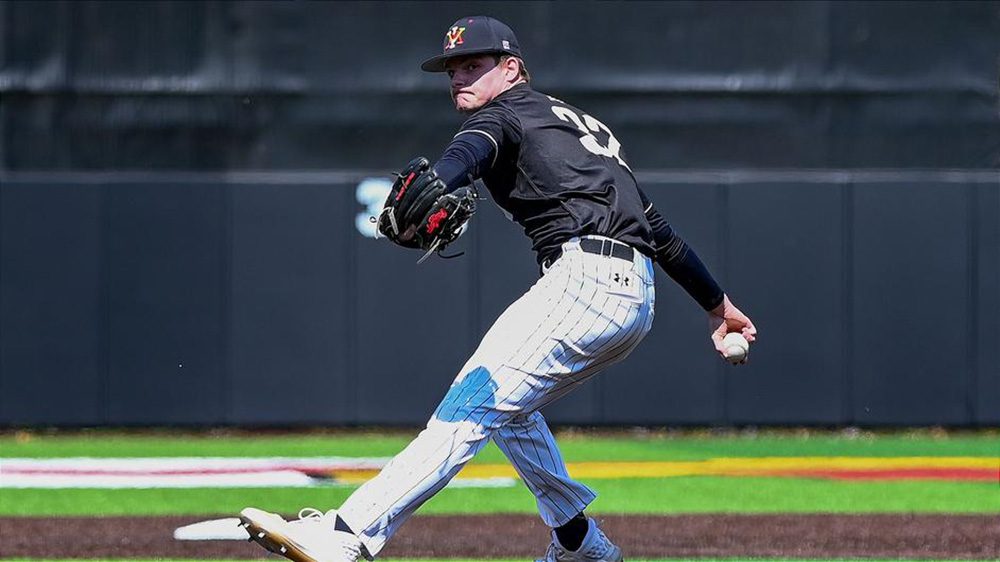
(555, 553)
(599, 548)
(348, 544)
(313, 515)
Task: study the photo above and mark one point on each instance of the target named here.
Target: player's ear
(511, 68)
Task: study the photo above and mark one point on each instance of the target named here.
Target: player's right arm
(684, 266)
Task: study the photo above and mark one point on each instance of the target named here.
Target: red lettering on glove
(406, 183)
(434, 221)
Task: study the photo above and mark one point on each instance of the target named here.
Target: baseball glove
(420, 212)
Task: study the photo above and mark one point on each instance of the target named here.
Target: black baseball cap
(474, 35)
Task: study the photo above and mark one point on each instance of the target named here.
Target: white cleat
(596, 547)
(310, 538)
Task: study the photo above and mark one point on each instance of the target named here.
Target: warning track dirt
(970, 537)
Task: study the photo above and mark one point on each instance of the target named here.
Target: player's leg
(476, 406)
(378, 508)
(529, 445)
(460, 427)
(565, 329)
(531, 448)
(484, 397)
(618, 327)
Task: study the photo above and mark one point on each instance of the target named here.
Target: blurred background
(186, 187)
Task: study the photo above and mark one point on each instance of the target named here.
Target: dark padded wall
(671, 378)
(985, 262)
(896, 363)
(52, 303)
(292, 85)
(164, 250)
(179, 213)
(254, 299)
(805, 315)
(290, 303)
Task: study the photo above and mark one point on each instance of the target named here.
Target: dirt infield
(971, 537)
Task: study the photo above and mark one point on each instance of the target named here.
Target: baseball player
(561, 175)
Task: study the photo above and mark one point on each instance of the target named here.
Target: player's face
(476, 80)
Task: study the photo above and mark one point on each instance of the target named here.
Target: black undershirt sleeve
(476, 147)
(467, 155)
(680, 261)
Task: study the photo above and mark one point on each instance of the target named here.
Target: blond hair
(522, 71)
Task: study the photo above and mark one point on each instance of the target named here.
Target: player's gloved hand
(420, 212)
(726, 318)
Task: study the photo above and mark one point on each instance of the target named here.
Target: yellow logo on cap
(454, 37)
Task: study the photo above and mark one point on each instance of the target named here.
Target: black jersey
(558, 172)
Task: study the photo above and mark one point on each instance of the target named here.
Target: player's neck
(511, 85)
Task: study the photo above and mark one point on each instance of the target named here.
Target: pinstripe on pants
(571, 324)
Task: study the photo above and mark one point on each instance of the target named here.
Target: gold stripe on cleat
(276, 542)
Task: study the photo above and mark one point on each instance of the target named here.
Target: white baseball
(735, 347)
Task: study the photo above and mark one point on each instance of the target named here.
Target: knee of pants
(457, 431)
(524, 420)
(473, 398)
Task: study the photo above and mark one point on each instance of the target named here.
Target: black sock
(571, 534)
(340, 525)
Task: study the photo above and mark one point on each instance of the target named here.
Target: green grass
(694, 494)
(626, 446)
(512, 560)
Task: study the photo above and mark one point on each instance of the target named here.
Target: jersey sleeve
(496, 123)
(477, 145)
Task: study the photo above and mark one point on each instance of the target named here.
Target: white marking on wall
(371, 194)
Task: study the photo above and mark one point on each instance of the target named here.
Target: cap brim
(436, 64)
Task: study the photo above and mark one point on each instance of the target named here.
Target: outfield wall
(256, 298)
(182, 240)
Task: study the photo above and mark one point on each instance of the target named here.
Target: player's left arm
(428, 206)
(474, 150)
(684, 266)
(466, 158)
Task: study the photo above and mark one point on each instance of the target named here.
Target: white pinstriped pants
(586, 312)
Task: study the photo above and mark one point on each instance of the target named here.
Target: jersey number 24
(588, 125)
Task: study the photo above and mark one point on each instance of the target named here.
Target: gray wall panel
(115, 40)
(412, 331)
(958, 36)
(785, 263)
(674, 377)
(110, 85)
(506, 263)
(911, 304)
(290, 309)
(51, 310)
(166, 247)
(201, 299)
(985, 394)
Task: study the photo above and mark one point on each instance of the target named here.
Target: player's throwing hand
(726, 318)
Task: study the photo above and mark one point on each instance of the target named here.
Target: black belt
(600, 247)
(607, 248)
